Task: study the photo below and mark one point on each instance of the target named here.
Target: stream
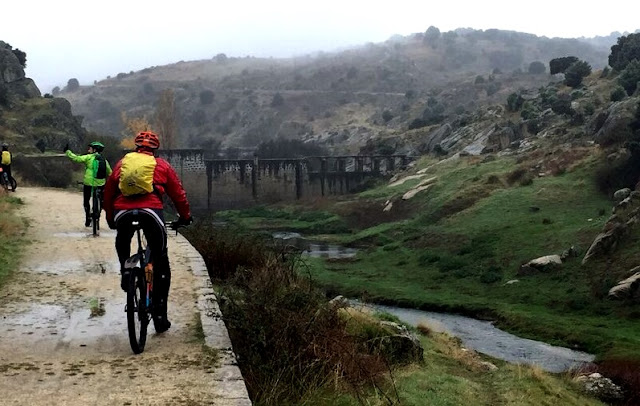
(484, 337)
(314, 249)
(481, 336)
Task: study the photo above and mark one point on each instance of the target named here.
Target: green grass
(305, 221)
(451, 376)
(469, 234)
(459, 262)
(11, 230)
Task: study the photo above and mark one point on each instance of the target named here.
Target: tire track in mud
(63, 334)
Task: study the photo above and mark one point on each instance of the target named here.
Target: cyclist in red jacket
(138, 182)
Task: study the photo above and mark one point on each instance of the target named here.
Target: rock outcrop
(626, 214)
(12, 76)
(542, 264)
(613, 125)
(600, 387)
(628, 288)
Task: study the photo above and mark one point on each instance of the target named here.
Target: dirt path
(54, 351)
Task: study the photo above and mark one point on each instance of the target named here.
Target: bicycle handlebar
(174, 225)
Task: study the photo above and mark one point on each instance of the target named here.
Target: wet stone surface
(63, 331)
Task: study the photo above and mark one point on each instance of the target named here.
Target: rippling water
(484, 337)
(315, 249)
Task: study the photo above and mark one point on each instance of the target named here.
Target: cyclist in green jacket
(97, 169)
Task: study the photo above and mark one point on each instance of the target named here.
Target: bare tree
(166, 120)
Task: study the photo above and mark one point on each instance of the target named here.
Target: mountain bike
(140, 306)
(96, 209)
(4, 180)
(7, 181)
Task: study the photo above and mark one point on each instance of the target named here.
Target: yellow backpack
(6, 158)
(136, 174)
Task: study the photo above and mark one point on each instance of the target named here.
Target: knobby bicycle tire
(14, 184)
(137, 313)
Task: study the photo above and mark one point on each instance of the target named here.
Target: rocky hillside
(347, 100)
(29, 122)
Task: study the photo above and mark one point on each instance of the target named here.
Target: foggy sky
(90, 41)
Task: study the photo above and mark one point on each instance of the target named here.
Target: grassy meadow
(454, 247)
(11, 231)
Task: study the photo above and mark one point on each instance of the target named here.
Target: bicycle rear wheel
(14, 184)
(95, 214)
(5, 181)
(138, 315)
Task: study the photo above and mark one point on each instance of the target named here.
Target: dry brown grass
(290, 342)
(10, 226)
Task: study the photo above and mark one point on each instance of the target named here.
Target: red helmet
(147, 139)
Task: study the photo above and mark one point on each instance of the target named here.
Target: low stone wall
(230, 388)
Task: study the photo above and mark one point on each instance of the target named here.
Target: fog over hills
(339, 99)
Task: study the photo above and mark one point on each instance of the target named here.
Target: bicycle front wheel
(138, 315)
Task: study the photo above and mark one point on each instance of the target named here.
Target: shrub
(574, 73)
(514, 102)
(560, 65)
(589, 109)
(537, 68)
(618, 94)
(562, 105)
(626, 50)
(206, 97)
(534, 126)
(417, 123)
(491, 274)
(290, 341)
(630, 77)
(387, 116)
(520, 175)
(479, 80)
(73, 85)
(529, 111)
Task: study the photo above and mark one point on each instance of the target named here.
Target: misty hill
(340, 99)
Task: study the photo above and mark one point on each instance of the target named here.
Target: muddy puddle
(52, 326)
(314, 249)
(75, 267)
(87, 234)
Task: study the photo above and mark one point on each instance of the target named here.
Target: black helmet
(5, 146)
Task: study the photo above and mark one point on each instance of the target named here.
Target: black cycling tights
(86, 201)
(152, 223)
